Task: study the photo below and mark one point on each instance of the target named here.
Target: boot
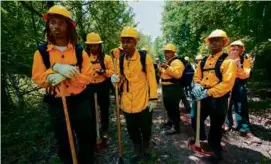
(216, 157)
(137, 150)
(173, 130)
(146, 150)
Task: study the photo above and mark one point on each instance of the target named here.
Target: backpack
(143, 56)
(217, 66)
(188, 73)
(46, 58)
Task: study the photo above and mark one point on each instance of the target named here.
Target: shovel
(195, 144)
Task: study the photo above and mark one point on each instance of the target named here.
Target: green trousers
(216, 108)
(82, 124)
(239, 103)
(139, 126)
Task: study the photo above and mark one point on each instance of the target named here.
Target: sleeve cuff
(153, 99)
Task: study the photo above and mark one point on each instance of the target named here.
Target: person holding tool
(135, 76)
(102, 66)
(213, 80)
(63, 68)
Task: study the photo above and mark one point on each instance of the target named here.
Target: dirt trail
(174, 149)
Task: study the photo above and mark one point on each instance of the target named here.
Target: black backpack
(46, 58)
(188, 73)
(143, 55)
(217, 66)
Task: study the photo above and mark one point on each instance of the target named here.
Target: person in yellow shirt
(102, 67)
(213, 80)
(172, 90)
(239, 92)
(137, 81)
(61, 64)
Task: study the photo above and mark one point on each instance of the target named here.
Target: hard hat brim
(46, 16)
(136, 38)
(207, 40)
(99, 42)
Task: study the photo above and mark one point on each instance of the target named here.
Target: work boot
(227, 128)
(137, 156)
(216, 157)
(206, 148)
(146, 150)
(173, 130)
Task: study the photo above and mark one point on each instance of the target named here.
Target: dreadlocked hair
(101, 54)
(71, 33)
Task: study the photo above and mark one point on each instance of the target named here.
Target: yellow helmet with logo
(59, 10)
(217, 34)
(93, 38)
(129, 32)
(169, 47)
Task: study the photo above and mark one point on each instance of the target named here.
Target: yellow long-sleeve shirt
(173, 71)
(96, 66)
(142, 86)
(68, 56)
(209, 80)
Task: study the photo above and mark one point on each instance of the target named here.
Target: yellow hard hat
(129, 32)
(93, 38)
(186, 58)
(199, 57)
(59, 10)
(237, 43)
(169, 47)
(217, 34)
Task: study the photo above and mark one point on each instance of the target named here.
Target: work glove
(152, 105)
(115, 78)
(66, 70)
(196, 90)
(55, 78)
(203, 95)
(101, 71)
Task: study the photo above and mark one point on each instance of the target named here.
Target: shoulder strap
(143, 56)
(218, 65)
(79, 55)
(102, 60)
(202, 63)
(121, 62)
(45, 55)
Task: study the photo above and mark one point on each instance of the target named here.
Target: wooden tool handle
(197, 143)
(68, 125)
(97, 116)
